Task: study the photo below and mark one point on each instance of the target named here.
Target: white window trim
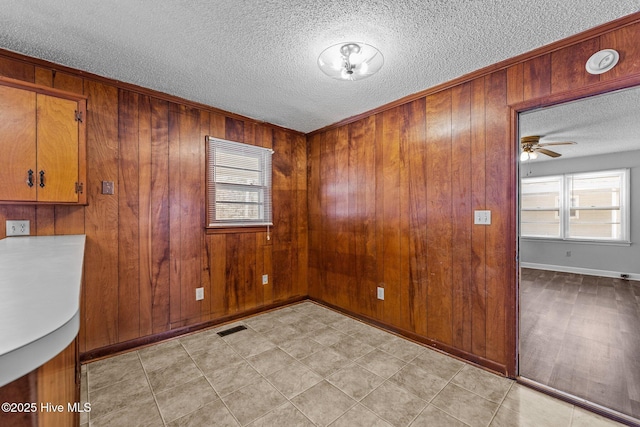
(265, 187)
(564, 208)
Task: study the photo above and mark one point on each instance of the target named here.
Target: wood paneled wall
(147, 250)
(392, 195)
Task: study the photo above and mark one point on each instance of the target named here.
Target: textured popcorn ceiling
(258, 57)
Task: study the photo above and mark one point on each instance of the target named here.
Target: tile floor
(306, 365)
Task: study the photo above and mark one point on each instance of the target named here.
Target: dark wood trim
(576, 94)
(45, 90)
(233, 230)
(133, 344)
(591, 407)
(131, 87)
(444, 348)
(543, 50)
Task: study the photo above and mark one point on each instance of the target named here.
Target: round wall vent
(602, 61)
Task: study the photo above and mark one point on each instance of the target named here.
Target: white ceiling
(600, 124)
(258, 58)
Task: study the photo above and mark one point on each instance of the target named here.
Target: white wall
(618, 259)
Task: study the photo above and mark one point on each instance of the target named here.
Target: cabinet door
(17, 144)
(57, 149)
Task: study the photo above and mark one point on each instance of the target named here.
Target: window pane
(540, 223)
(596, 224)
(228, 211)
(232, 195)
(241, 161)
(596, 191)
(237, 176)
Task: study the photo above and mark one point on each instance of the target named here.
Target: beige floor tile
(263, 323)
(582, 418)
(270, 361)
(325, 362)
(294, 379)
(119, 395)
(211, 414)
(419, 382)
(179, 401)
(232, 378)
(327, 336)
(202, 341)
(301, 347)
(438, 364)
(483, 383)
(373, 336)
(380, 363)
(252, 346)
(351, 348)
(508, 418)
(323, 403)
(434, 417)
(253, 401)
(160, 356)
(531, 404)
(402, 349)
(286, 415)
(211, 362)
(109, 371)
(142, 413)
(171, 376)
(465, 405)
(394, 404)
(355, 381)
(307, 325)
(359, 416)
(280, 336)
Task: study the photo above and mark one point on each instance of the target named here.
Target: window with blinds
(590, 206)
(238, 184)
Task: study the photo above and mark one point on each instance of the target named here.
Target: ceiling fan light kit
(531, 146)
(602, 61)
(350, 61)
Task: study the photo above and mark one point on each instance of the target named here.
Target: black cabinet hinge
(78, 116)
(79, 188)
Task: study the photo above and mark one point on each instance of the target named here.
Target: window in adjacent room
(590, 206)
(238, 184)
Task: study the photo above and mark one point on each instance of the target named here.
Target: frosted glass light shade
(350, 61)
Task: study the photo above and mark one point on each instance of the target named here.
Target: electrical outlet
(482, 217)
(265, 279)
(568, 253)
(380, 293)
(199, 294)
(18, 228)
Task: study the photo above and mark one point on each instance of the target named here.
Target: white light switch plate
(265, 279)
(380, 293)
(199, 294)
(482, 217)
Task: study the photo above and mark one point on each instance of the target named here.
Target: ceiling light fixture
(350, 61)
(602, 61)
(528, 153)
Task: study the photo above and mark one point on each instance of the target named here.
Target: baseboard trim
(462, 355)
(578, 270)
(123, 347)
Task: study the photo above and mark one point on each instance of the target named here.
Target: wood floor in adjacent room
(581, 334)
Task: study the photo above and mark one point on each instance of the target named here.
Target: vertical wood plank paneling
(301, 215)
(439, 212)
(328, 225)
(415, 133)
(568, 66)
(537, 76)
(175, 231)
(190, 226)
(478, 233)
(405, 314)
(343, 261)
(500, 199)
(462, 215)
(266, 137)
(159, 221)
(625, 41)
(145, 258)
(128, 214)
(219, 289)
(391, 211)
(101, 218)
(315, 215)
(17, 70)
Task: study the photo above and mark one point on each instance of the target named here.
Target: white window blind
(590, 206)
(239, 184)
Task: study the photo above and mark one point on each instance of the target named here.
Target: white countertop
(40, 278)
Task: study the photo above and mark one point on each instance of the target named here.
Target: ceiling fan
(531, 146)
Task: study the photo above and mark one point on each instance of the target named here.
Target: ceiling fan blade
(546, 144)
(548, 152)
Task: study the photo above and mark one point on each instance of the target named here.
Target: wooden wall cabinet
(42, 144)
